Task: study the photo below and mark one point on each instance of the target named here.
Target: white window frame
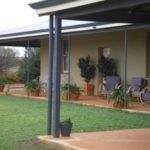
(65, 56)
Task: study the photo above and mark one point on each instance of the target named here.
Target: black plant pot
(65, 128)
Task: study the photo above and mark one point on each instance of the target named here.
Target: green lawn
(23, 119)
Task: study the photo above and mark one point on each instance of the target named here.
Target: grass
(22, 119)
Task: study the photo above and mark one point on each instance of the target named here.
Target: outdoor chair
(135, 89)
(110, 83)
(145, 95)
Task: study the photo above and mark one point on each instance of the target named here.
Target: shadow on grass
(34, 144)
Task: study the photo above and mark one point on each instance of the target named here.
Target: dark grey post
(69, 54)
(50, 75)
(27, 62)
(125, 64)
(26, 68)
(57, 77)
(28, 59)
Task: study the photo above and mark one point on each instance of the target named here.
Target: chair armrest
(129, 89)
(101, 86)
(134, 88)
(142, 93)
(118, 86)
(145, 89)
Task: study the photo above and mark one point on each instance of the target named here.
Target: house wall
(44, 60)
(84, 45)
(88, 45)
(148, 55)
(137, 53)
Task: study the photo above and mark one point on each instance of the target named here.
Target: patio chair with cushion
(135, 89)
(110, 83)
(145, 95)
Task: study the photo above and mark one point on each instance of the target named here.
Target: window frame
(65, 56)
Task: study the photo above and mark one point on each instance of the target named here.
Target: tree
(8, 58)
(34, 65)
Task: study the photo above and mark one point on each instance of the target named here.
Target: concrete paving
(133, 139)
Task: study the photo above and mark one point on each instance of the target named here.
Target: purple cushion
(137, 81)
(146, 96)
(111, 82)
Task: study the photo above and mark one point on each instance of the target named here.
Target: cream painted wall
(148, 55)
(85, 45)
(137, 44)
(44, 60)
(88, 45)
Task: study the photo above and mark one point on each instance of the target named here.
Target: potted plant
(2, 85)
(33, 87)
(120, 99)
(65, 127)
(88, 69)
(107, 66)
(70, 91)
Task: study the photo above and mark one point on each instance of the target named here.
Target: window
(65, 56)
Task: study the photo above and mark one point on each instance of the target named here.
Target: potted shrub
(2, 85)
(118, 96)
(33, 87)
(107, 66)
(70, 91)
(87, 69)
(65, 127)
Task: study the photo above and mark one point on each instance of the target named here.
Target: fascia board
(77, 3)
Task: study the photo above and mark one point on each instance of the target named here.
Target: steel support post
(69, 55)
(125, 65)
(26, 68)
(50, 75)
(28, 59)
(57, 77)
(27, 62)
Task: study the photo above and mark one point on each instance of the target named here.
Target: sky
(17, 13)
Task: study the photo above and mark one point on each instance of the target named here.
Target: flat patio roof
(35, 32)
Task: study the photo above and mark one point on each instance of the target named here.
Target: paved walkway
(135, 139)
(102, 102)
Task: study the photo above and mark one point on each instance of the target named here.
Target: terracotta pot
(71, 96)
(35, 93)
(64, 96)
(1, 88)
(88, 89)
(119, 104)
(74, 95)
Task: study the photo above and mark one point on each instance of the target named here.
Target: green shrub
(87, 68)
(2, 83)
(107, 66)
(7, 80)
(33, 85)
(70, 88)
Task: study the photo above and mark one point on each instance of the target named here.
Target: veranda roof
(35, 32)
